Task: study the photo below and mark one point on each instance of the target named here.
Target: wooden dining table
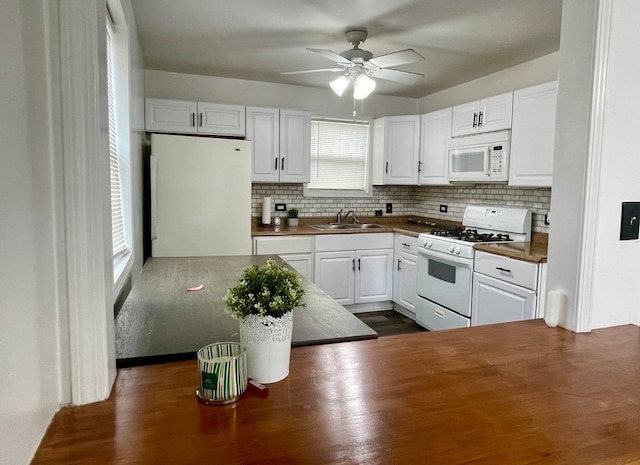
(512, 393)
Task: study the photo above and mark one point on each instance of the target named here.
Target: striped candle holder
(223, 373)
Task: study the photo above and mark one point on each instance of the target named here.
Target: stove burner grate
(472, 235)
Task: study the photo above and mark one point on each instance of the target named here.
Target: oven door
(445, 280)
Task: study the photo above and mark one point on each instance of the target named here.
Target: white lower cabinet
(504, 289)
(405, 271)
(297, 251)
(355, 268)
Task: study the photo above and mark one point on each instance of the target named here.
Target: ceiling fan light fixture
(340, 85)
(363, 86)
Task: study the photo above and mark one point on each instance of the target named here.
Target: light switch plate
(630, 221)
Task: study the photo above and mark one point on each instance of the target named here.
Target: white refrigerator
(200, 196)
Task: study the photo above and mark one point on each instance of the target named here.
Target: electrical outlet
(389, 208)
(546, 219)
(444, 209)
(281, 207)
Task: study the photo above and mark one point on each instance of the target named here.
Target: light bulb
(363, 86)
(339, 85)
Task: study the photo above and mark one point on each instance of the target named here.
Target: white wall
(29, 315)
(538, 71)
(161, 84)
(616, 296)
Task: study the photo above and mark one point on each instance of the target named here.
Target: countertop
(160, 321)
(534, 251)
(397, 224)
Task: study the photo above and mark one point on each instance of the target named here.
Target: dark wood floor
(517, 393)
(390, 323)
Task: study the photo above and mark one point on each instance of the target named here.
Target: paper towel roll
(266, 210)
(556, 306)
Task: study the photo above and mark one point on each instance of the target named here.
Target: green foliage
(292, 213)
(265, 291)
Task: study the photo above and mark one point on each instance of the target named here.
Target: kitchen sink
(329, 226)
(347, 226)
(364, 226)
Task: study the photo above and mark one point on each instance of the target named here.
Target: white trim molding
(588, 231)
(87, 193)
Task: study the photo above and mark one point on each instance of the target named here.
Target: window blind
(339, 155)
(120, 246)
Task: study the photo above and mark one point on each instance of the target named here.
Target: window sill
(121, 269)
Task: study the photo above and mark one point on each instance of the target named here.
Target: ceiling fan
(359, 66)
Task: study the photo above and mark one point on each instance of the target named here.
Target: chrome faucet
(351, 212)
(339, 216)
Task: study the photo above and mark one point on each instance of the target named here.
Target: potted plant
(292, 217)
(263, 301)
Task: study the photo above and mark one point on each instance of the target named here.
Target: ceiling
(257, 39)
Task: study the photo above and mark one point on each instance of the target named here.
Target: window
(339, 158)
(119, 151)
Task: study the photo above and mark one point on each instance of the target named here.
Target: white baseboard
(370, 307)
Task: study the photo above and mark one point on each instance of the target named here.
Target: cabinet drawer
(403, 243)
(283, 245)
(507, 269)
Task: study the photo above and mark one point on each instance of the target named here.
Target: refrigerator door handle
(153, 164)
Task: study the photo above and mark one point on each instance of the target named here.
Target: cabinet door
(533, 135)
(496, 301)
(295, 146)
(435, 131)
(177, 116)
(263, 129)
(401, 149)
(334, 274)
(219, 119)
(302, 263)
(374, 275)
(404, 280)
(465, 119)
(495, 113)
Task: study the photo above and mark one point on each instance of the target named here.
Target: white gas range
(445, 262)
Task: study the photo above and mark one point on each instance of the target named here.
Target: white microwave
(479, 158)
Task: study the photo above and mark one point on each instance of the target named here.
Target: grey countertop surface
(160, 319)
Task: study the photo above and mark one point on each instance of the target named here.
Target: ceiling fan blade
(405, 77)
(396, 58)
(331, 56)
(313, 71)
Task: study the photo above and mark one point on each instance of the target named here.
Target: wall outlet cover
(281, 207)
(630, 221)
(444, 208)
(389, 208)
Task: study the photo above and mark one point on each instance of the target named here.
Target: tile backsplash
(409, 200)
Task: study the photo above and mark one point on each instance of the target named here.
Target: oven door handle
(444, 257)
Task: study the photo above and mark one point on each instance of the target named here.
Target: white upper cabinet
(281, 144)
(396, 150)
(263, 129)
(435, 131)
(486, 115)
(186, 117)
(533, 135)
(295, 146)
(224, 120)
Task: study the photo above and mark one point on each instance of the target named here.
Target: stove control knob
(457, 251)
(429, 244)
(451, 249)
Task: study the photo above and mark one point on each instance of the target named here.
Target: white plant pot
(268, 343)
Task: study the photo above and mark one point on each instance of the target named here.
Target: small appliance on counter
(445, 262)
